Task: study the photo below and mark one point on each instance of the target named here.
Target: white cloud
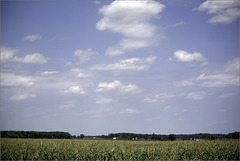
(103, 100)
(149, 100)
(218, 80)
(186, 57)
(227, 95)
(186, 82)
(31, 38)
(157, 97)
(129, 111)
(233, 65)
(67, 106)
(196, 95)
(85, 55)
(80, 73)
(7, 54)
(179, 24)
(126, 45)
(131, 19)
(116, 85)
(12, 80)
(67, 64)
(35, 58)
(135, 64)
(22, 97)
(75, 90)
(164, 96)
(223, 11)
(46, 73)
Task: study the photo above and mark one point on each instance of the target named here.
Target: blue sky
(99, 67)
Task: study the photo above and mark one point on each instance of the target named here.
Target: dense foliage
(73, 149)
(35, 134)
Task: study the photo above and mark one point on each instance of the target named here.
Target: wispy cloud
(20, 97)
(228, 76)
(103, 100)
(218, 80)
(227, 95)
(85, 55)
(131, 19)
(129, 111)
(158, 97)
(7, 53)
(32, 38)
(46, 73)
(67, 106)
(196, 95)
(179, 24)
(223, 11)
(12, 80)
(133, 64)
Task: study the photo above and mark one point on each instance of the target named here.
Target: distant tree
(82, 136)
(212, 137)
(171, 137)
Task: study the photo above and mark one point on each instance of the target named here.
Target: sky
(100, 67)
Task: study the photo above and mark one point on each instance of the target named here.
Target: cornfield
(73, 149)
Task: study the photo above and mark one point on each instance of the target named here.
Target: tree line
(35, 134)
(206, 136)
(119, 136)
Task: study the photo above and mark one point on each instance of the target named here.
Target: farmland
(74, 149)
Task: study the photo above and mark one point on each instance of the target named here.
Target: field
(73, 149)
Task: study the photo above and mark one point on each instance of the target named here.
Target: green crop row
(70, 149)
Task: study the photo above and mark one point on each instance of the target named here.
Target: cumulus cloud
(32, 38)
(135, 64)
(20, 97)
(131, 19)
(196, 95)
(84, 55)
(35, 58)
(7, 55)
(117, 85)
(183, 56)
(223, 11)
(45, 73)
(103, 100)
(74, 90)
(12, 80)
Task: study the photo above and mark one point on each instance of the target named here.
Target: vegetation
(119, 136)
(74, 149)
(35, 134)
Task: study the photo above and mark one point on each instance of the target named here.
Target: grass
(72, 149)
